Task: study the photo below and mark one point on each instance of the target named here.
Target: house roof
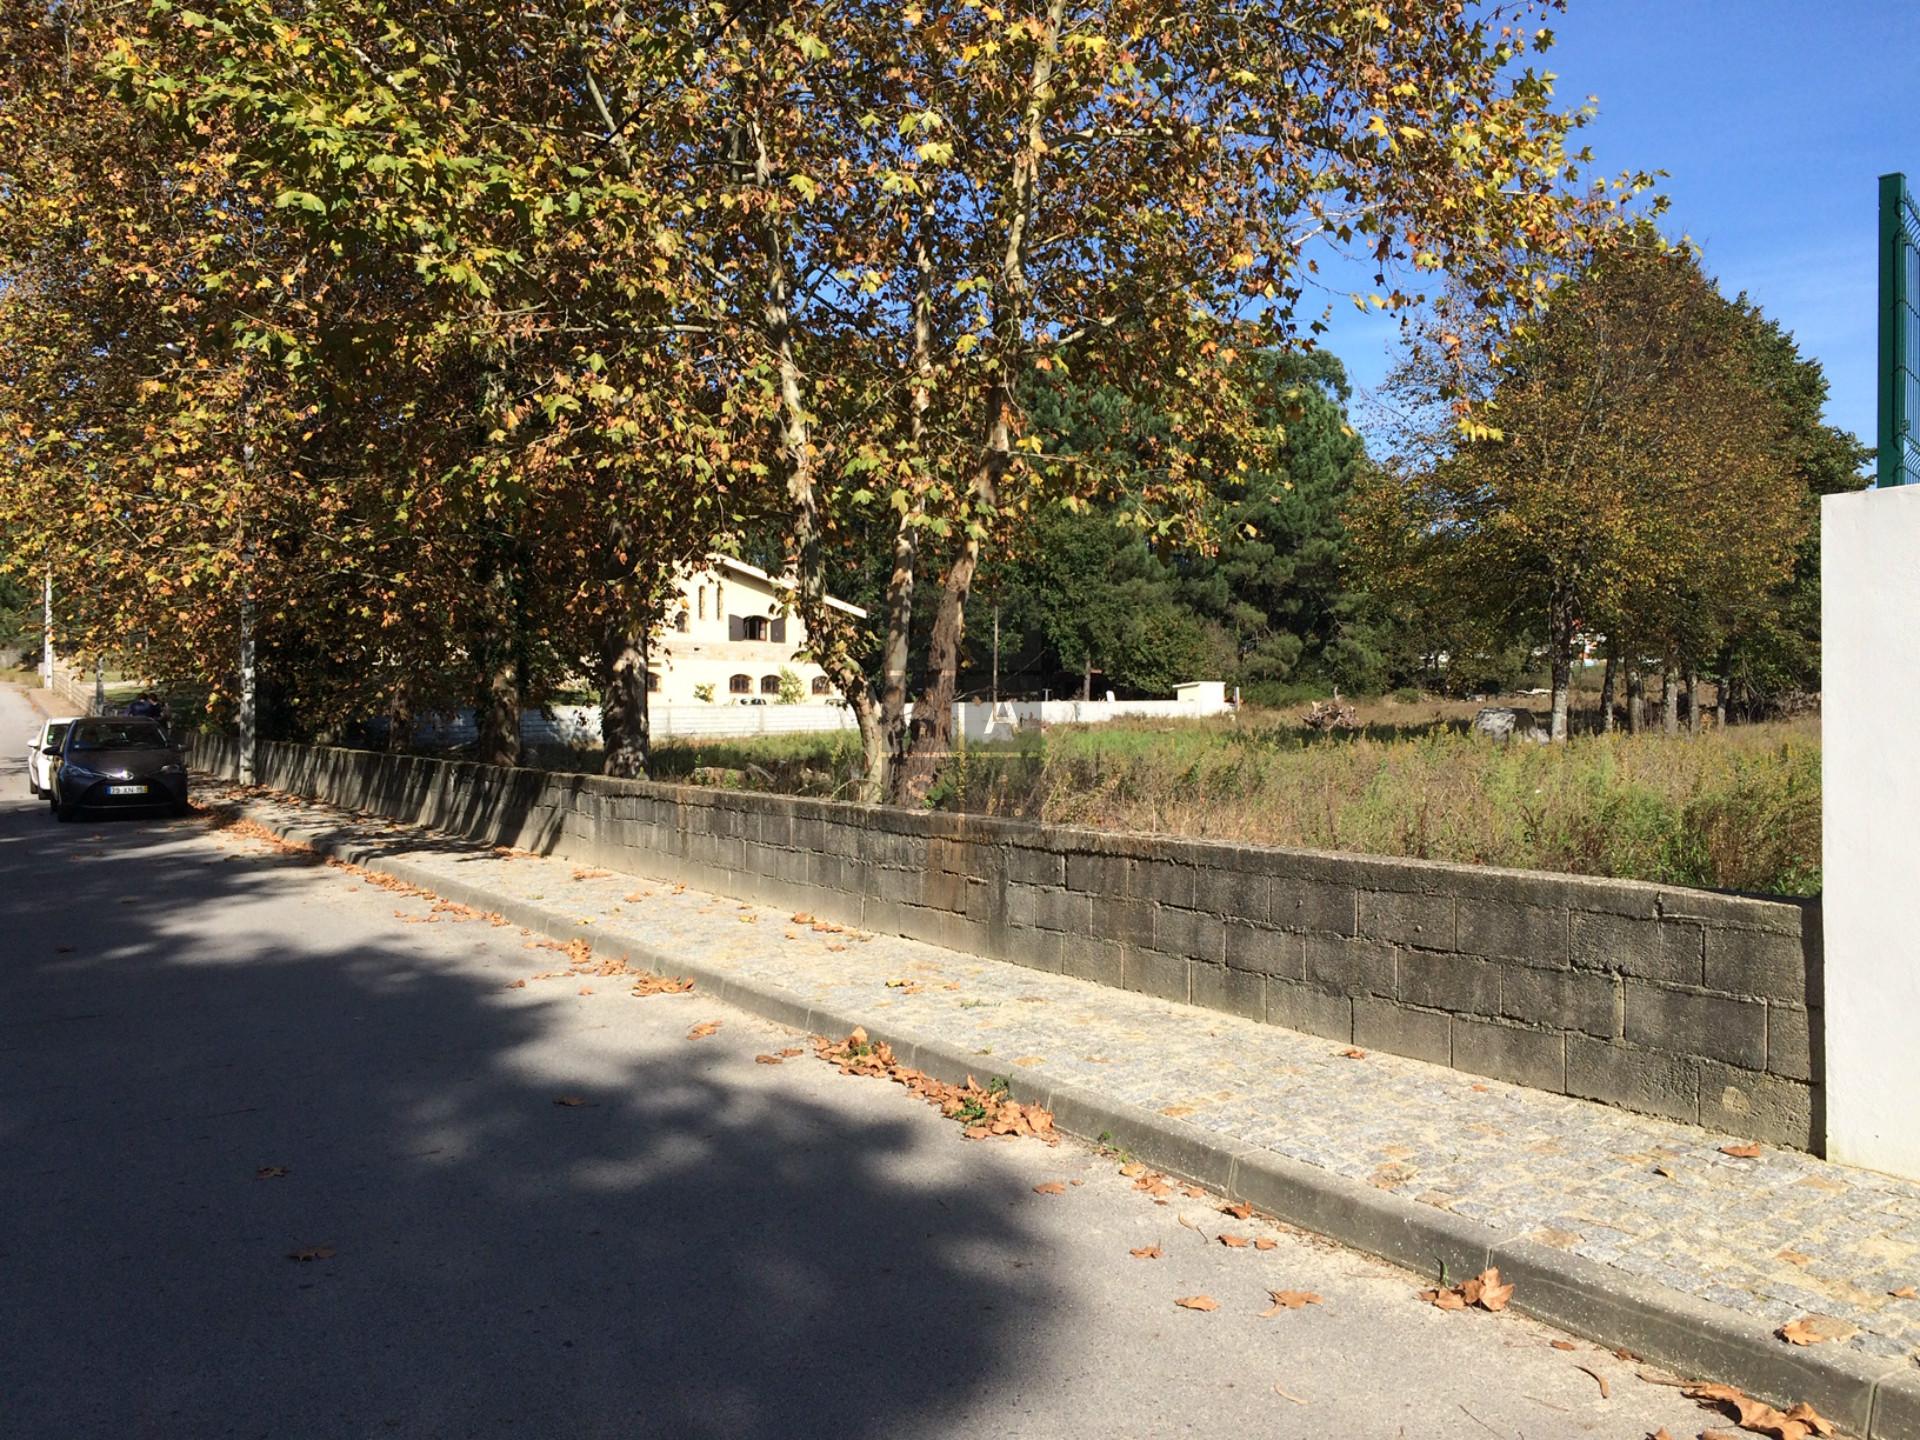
(742, 568)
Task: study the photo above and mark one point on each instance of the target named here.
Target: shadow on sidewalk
(683, 1255)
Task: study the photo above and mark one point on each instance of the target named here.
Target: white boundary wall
(1870, 658)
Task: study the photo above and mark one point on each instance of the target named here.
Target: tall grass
(1733, 810)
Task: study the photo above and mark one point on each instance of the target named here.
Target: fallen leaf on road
(1265, 1242)
(1234, 1242)
(1197, 1302)
(1289, 1300)
(1606, 1391)
(1353, 1054)
(1284, 1395)
(569, 1101)
(1741, 1152)
(767, 1060)
(1050, 1187)
(586, 989)
(1815, 1330)
(1799, 1423)
(803, 918)
(271, 1172)
(1905, 1292)
(1146, 1252)
(1561, 1344)
(789, 1052)
(1133, 1168)
(1484, 1290)
(1174, 1112)
(311, 1252)
(1194, 1192)
(703, 1030)
(518, 985)
(661, 985)
(1239, 1212)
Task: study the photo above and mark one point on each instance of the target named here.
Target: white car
(39, 761)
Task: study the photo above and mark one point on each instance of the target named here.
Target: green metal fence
(1899, 333)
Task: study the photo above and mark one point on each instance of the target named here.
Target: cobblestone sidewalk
(1775, 1237)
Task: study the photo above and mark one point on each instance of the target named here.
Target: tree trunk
(496, 703)
(1560, 646)
(1636, 701)
(1720, 703)
(932, 730)
(1086, 677)
(400, 719)
(1693, 704)
(623, 696)
(1669, 702)
(1607, 681)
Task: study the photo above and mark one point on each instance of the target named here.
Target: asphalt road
(706, 1246)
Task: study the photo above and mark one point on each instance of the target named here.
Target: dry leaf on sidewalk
(1905, 1292)
(703, 1030)
(1197, 1302)
(1289, 1300)
(1741, 1152)
(1234, 1242)
(1816, 1330)
(1146, 1252)
(1242, 1211)
(1802, 1422)
(1265, 1242)
(1353, 1054)
(767, 1060)
(1051, 1187)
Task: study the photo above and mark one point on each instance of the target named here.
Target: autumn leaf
(1289, 1300)
(1197, 1302)
(1234, 1242)
(1561, 1344)
(1265, 1242)
(1484, 1290)
(1050, 1187)
(1133, 1168)
(311, 1252)
(1241, 1211)
(1741, 1152)
(703, 1030)
(1905, 1292)
(1146, 1252)
(1353, 1054)
(767, 1060)
(789, 1052)
(569, 1101)
(1799, 1423)
(1816, 1330)
(271, 1172)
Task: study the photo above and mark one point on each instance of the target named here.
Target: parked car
(41, 751)
(118, 761)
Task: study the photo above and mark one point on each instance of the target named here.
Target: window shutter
(736, 628)
(780, 631)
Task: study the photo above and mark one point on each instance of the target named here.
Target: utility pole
(996, 652)
(46, 633)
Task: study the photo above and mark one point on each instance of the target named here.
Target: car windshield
(55, 734)
(119, 735)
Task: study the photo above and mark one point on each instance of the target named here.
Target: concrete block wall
(1694, 1005)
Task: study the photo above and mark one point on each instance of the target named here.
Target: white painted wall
(1870, 658)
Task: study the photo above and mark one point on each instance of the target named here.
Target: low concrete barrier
(1695, 1005)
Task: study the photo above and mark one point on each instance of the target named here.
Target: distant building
(731, 632)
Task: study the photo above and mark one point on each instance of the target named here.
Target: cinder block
(1231, 894)
(1756, 1106)
(1163, 881)
(1153, 973)
(1097, 874)
(1237, 992)
(1511, 1052)
(1407, 918)
(1035, 867)
(1463, 984)
(1792, 1038)
(1111, 918)
(1086, 958)
(1048, 908)
(1753, 962)
(1353, 967)
(1562, 1000)
(1036, 949)
(1501, 930)
(1262, 951)
(1190, 933)
(1314, 906)
(1688, 1023)
(1420, 1034)
(1310, 1010)
(1672, 950)
(1645, 1080)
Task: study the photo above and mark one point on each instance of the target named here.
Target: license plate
(126, 789)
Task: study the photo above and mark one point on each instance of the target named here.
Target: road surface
(703, 1246)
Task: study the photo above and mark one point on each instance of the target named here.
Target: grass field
(1737, 809)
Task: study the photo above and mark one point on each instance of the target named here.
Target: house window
(754, 627)
(680, 621)
(740, 684)
(769, 684)
(702, 596)
(653, 682)
(820, 685)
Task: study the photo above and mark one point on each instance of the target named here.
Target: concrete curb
(1876, 1399)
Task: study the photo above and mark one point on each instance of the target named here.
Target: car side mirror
(51, 750)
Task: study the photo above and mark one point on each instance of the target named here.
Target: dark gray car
(118, 761)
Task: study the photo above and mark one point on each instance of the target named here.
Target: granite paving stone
(1652, 1197)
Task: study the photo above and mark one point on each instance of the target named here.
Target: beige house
(732, 634)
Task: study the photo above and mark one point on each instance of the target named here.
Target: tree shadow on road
(686, 1253)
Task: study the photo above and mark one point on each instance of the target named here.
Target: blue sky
(1773, 119)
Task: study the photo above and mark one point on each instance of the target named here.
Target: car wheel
(33, 787)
